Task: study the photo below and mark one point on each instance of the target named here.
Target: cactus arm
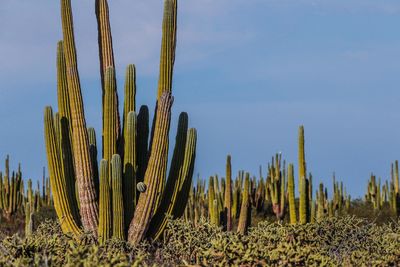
(302, 179)
(155, 170)
(174, 177)
(174, 204)
(291, 190)
(106, 56)
(168, 46)
(228, 194)
(93, 158)
(143, 139)
(245, 208)
(104, 203)
(117, 199)
(129, 168)
(89, 209)
(62, 201)
(110, 131)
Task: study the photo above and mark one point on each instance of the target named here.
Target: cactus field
(130, 193)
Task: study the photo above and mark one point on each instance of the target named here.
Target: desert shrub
(47, 246)
(347, 241)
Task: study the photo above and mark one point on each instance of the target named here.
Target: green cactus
(105, 219)
(228, 195)
(117, 198)
(320, 203)
(212, 210)
(303, 200)
(277, 187)
(88, 207)
(11, 191)
(291, 195)
(245, 209)
(129, 168)
(72, 151)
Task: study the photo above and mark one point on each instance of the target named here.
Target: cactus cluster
(387, 194)
(11, 190)
(229, 203)
(130, 196)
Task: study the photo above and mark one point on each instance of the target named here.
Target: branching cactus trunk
(128, 166)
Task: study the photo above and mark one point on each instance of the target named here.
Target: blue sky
(248, 72)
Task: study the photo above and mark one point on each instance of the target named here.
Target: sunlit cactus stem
(303, 190)
(105, 217)
(117, 199)
(89, 209)
(245, 210)
(291, 195)
(228, 195)
(155, 170)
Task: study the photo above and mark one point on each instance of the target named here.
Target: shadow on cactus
(131, 197)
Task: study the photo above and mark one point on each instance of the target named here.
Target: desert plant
(72, 151)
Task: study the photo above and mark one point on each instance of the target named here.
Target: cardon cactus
(304, 213)
(228, 195)
(131, 198)
(277, 187)
(11, 191)
(245, 209)
(291, 195)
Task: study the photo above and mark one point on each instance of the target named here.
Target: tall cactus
(136, 216)
(320, 202)
(212, 212)
(105, 218)
(156, 167)
(291, 195)
(228, 194)
(117, 199)
(277, 187)
(245, 210)
(303, 200)
(89, 209)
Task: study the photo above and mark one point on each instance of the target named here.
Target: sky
(248, 72)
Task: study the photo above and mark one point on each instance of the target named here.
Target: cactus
(129, 168)
(117, 199)
(105, 222)
(291, 195)
(228, 195)
(10, 191)
(277, 187)
(321, 203)
(83, 168)
(212, 209)
(303, 201)
(72, 151)
(245, 210)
